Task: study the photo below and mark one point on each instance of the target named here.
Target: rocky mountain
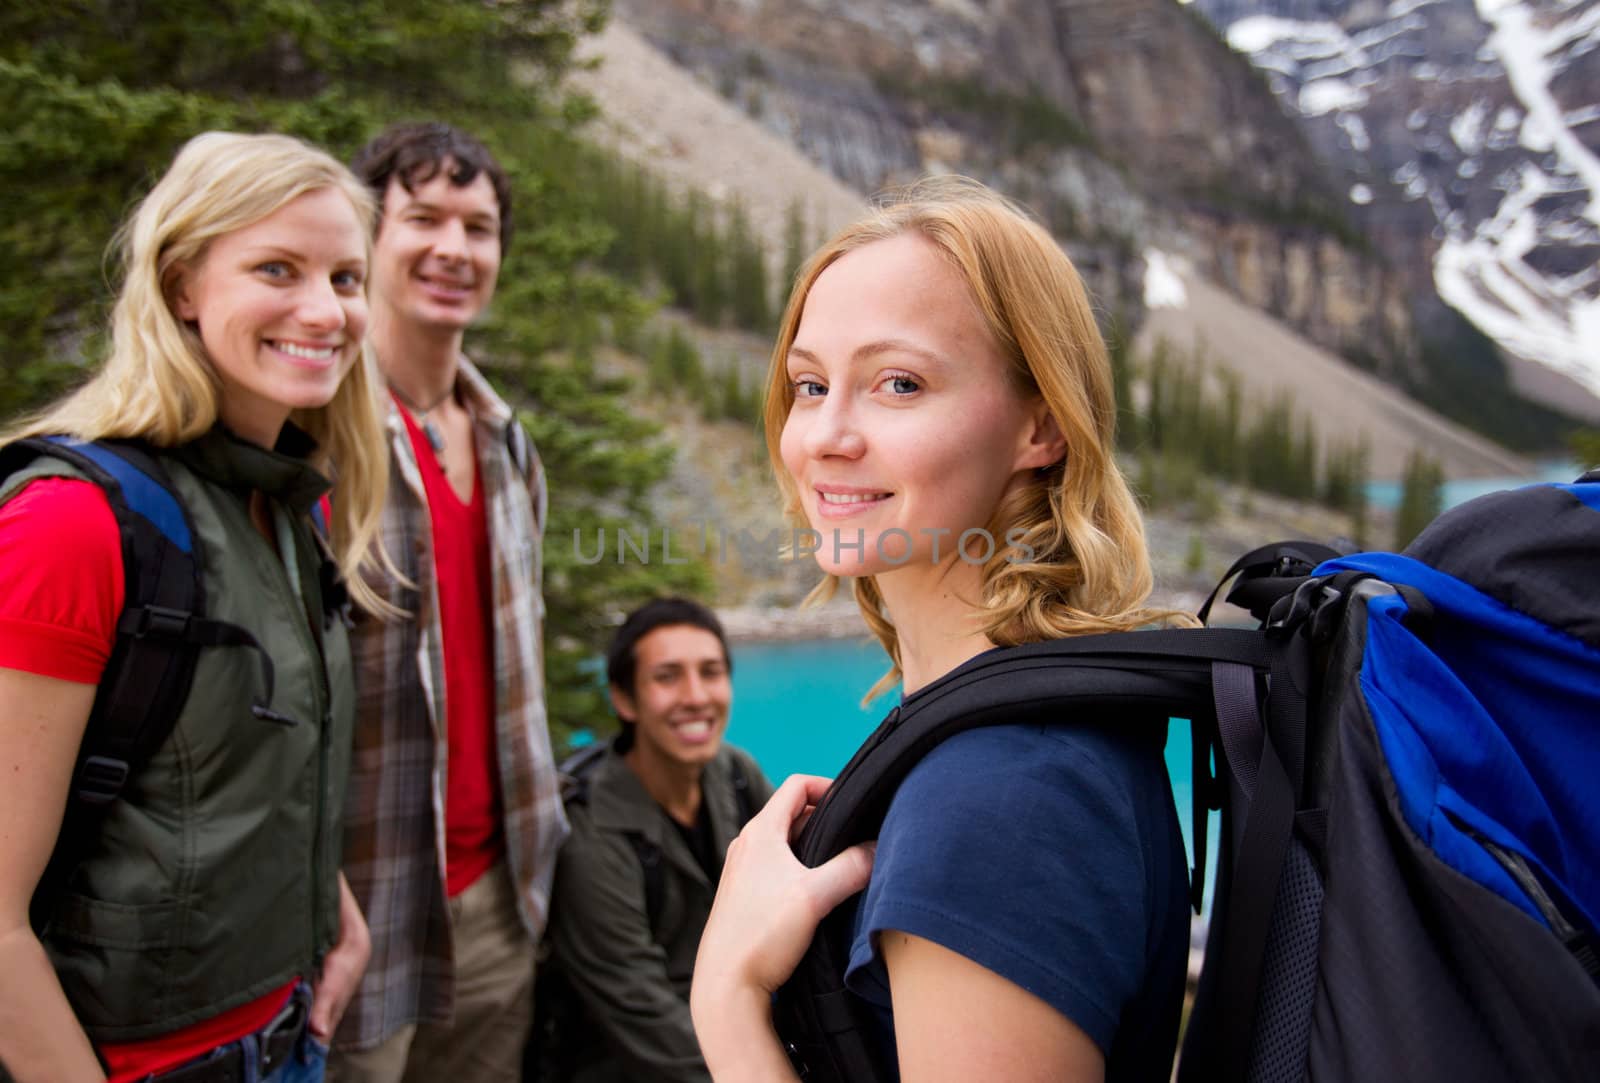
(659, 113)
(1128, 125)
(1464, 136)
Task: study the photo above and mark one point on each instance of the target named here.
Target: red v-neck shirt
(464, 579)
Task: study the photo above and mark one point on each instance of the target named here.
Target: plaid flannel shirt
(394, 812)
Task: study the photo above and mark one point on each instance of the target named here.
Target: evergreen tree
(1117, 351)
(1421, 498)
(98, 96)
(1156, 412)
(752, 304)
(1344, 485)
(795, 246)
(681, 371)
(1586, 447)
(709, 296)
(735, 404)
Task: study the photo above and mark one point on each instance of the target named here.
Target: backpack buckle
(156, 620)
(1315, 606)
(100, 779)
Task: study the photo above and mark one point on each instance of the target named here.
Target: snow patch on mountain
(1163, 280)
(1470, 109)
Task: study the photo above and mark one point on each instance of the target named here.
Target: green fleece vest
(213, 878)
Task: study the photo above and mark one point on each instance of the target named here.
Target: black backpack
(558, 1042)
(159, 635)
(1384, 909)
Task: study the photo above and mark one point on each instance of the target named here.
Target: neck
(420, 361)
(936, 613)
(672, 785)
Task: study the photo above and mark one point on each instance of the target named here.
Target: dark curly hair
(414, 154)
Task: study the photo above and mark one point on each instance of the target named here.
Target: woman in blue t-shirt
(941, 414)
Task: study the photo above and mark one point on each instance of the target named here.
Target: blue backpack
(1405, 755)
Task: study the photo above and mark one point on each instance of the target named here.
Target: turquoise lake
(1386, 494)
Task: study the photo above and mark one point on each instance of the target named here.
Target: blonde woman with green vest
(203, 931)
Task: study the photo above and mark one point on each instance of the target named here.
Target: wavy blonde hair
(1091, 569)
(158, 384)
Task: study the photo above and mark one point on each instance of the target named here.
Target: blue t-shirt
(1050, 855)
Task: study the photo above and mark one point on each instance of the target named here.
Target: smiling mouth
(852, 498)
(695, 731)
(445, 284)
(316, 354)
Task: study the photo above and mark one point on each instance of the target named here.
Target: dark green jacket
(632, 980)
(212, 880)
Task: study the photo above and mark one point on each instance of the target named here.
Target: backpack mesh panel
(1288, 974)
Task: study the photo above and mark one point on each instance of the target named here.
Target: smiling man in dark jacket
(635, 882)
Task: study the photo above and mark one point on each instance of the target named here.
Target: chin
(312, 399)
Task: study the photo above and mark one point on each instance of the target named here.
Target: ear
(1040, 443)
(180, 294)
(622, 703)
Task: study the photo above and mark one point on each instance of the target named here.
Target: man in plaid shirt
(454, 818)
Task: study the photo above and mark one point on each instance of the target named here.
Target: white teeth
(310, 353)
(851, 498)
(694, 729)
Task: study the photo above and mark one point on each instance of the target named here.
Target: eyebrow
(264, 251)
(677, 664)
(872, 349)
(434, 208)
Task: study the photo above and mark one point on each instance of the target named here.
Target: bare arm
(955, 1020)
(767, 908)
(41, 725)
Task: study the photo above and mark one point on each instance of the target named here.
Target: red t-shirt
(61, 592)
(462, 572)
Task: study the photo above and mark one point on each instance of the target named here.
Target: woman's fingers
(844, 874)
(787, 811)
(795, 795)
(768, 903)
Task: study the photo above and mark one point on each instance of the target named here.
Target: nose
(450, 240)
(831, 430)
(697, 691)
(321, 308)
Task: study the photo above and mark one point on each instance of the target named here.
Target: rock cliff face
(1127, 125)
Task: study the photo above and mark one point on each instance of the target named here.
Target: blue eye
(809, 389)
(904, 385)
(347, 280)
(274, 269)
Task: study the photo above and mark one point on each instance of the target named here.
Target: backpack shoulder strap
(655, 882)
(741, 790)
(158, 638)
(575, 773)
(148, 675)
(1140, 676)
(151, 666)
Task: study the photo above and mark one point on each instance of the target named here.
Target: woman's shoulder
(63, 587)
(1047, 753)
(62, 520)
(1097, 785)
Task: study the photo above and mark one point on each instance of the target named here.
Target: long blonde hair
(158, 384)
(1091, 569)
